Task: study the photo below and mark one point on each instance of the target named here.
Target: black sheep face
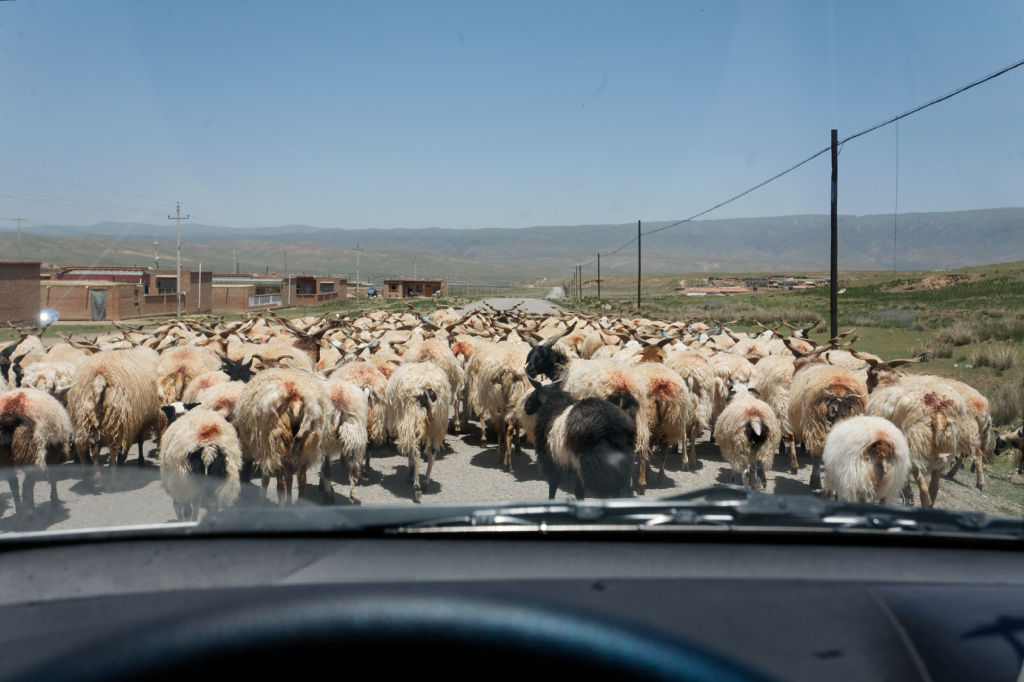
(237, 371)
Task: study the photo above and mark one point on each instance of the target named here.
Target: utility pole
(639, 256)
(285, 262)
(833, 301)
(156, 254)
(357, 250)
(178, 218)
(599, 276)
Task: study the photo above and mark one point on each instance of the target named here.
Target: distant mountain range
(775, 244)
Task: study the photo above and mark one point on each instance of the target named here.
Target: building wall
(19, 281)
(73, 302)
(403, 288)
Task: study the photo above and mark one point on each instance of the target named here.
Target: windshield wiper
(726, 507)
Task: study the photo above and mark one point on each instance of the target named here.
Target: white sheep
(748, 433)
(497, 378)
(866, 459)
(34, 432)
(200, 459)
(180, 365)
(282, 416)
(416, 408)
(114, 402)
(347, 434)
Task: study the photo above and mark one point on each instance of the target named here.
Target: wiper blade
(725, 507)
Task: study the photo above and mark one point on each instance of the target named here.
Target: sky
(468, 114)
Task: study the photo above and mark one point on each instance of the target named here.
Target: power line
(62, 201)
(889, 121)
(90, 187)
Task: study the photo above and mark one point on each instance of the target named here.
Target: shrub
(999, 358)
(958, 334)
(937, 350)
(1006, 404)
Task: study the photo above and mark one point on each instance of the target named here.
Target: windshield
(395, 253)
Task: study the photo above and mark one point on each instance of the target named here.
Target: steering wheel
(453, 638)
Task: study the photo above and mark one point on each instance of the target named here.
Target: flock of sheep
(275, 398)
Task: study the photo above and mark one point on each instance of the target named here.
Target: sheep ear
(168, 411)
(62, 396)
(189, 406)
(536, 384)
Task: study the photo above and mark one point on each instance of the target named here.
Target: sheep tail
(757, 431)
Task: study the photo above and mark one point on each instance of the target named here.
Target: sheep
(820, 396)
(200, 459)
(416, 405)
(113, 402)
(934, 419)
(50, 376)
(772, 378)
(748, 433)
(347, 431)
(282, 417)
(668, 406)
(438, 352)
(547, 359)
(696, 372)
(496, 380)
(866, 459)
(180, 365)
(369, 377)
(34, 432)
(201, 383)
(222, 398)
(591, 438)
(978, 410)
(621, 385)
(1009, 440)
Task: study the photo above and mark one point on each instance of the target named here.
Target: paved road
(537, 306)
(467, 472)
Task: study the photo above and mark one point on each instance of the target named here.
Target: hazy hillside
(924, 241)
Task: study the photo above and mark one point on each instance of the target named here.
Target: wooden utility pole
(178, 218)
(833, 302)
(579, 279)
(357, 250)
(599, 276)
(639, 257)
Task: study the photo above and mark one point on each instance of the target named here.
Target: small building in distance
(116, 293)
(19, 291)
(409, 287)
(310, 290)
(245, 293)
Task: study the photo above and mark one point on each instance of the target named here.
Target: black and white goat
(591, 438)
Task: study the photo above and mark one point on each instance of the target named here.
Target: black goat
(544, 358)
(591, 438)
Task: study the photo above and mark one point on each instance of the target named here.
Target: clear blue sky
(480, 114)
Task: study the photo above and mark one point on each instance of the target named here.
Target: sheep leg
(579, 488)
(642, 478)
(28, 491)
(186, 511)
(12, 480)
(664, 459)
(414, 473)
(142, 457)
(794, 464)
(815, 482)
(951, 474)
(301, 492)
(922, 488)
(178, 511)
(979, 463)
(761, 475)
(281, 488)
(430, 465)
(51, 473)
(933, 487)
(325, 480)
(265, 480)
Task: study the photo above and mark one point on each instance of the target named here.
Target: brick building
(117, 293)
(19, 286)
(245, 293)
(311, 290)
(407, 287)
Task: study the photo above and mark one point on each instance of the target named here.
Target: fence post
(599, 277)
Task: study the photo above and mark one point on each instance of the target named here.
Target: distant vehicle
(371, 293)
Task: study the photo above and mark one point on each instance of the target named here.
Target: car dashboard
(790, 610)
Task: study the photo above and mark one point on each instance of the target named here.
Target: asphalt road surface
(467, 471)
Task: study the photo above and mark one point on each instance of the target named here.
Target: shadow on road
(397, 483)
(523, 467)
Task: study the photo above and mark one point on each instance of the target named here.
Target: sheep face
(544, 359)
(177, 409)
(1009, 440)
(210, 462)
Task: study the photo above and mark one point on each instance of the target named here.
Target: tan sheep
(417, 403)
(282, 418)
(200, 459)
(34, 433)
(178, 366)
(748, 433)
(346, 432)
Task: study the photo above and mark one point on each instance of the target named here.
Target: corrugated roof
(109, 273)
(246, 280)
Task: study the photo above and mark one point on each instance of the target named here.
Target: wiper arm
(722, 506)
